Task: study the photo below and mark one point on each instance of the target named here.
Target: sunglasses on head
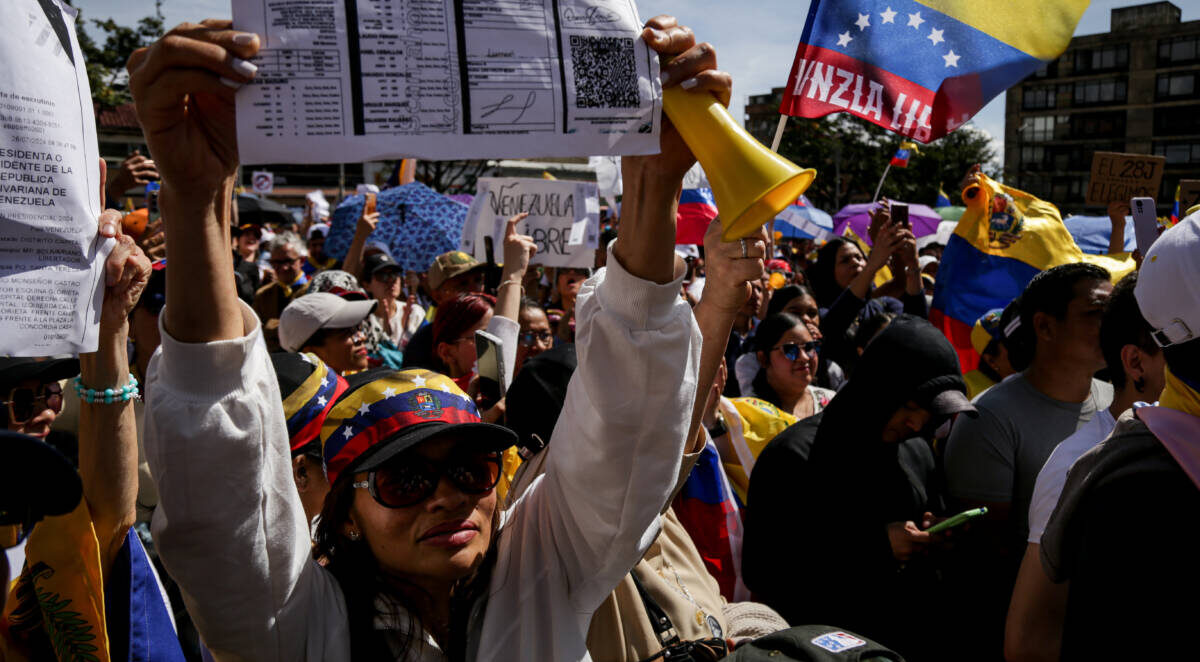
(411, 478)
(530, 338)
(791, 351)
(22, 401)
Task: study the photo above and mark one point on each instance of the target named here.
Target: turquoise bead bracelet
(109, 395)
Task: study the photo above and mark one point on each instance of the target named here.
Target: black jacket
(816, 547)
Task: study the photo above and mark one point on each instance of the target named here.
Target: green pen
(960, 518)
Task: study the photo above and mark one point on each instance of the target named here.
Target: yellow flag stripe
(1041, 28)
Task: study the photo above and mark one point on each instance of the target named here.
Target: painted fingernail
(229, 82)
(689, 83)
(245, 68)
(244, 38)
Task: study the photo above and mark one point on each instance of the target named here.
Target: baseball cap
(320, 310)
(239, 230)
(36, 480)
(309, 388)
(778, 265)
(16, 369)
(323, 228)
(987, 328)
(378, 262)
(1168, 286)
(451, 264)
(384, 413)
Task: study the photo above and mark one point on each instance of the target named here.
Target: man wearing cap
(993, 366)
(330, 327)
(317, 260)
(246, 238)
(1124, 531)
(452, 274)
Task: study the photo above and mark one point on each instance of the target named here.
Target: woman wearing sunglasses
(787, 358)
(419, 562)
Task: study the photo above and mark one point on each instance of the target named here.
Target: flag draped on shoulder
(921, 69)
(1004, 238)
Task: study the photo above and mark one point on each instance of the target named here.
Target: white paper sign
(262, 182)
(564, 219)
(348, 81)
(51, 256)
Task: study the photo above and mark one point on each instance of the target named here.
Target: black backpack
(813, 643)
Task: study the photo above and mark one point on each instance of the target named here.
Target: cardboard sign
(1189, 195)
(564, 219)
(1122, 177)
(262, 182)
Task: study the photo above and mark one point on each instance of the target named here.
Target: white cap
(322, 227)
(1168, 287)
(925, 261)
(320, 310)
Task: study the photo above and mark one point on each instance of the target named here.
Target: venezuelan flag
(1002, 241)
(697, 209)
(712, 516)
(943, 200)
(921, 68)
(1175, 208)
(906, 150)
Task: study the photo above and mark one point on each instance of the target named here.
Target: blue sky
(755, 39)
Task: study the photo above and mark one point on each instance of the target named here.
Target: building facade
(1134, 89)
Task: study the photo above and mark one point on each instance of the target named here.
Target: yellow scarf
(57, 604)
(1179, 396)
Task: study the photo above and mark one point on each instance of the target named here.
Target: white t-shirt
(1053, 475)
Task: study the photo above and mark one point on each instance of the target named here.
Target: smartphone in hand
(899, 212)
(490, 362)
(1145, 222)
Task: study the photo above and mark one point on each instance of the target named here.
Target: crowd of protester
(417, 515)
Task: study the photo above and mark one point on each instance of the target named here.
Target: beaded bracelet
(108, 395)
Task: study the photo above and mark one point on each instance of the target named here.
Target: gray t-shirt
(997, 456)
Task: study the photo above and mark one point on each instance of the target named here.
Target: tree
(850, 156)
(451, 176)
(106, 61)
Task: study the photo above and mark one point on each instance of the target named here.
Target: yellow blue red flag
(921, 69)
(1004, 238)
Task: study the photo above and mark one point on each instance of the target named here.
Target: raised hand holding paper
(51, 256)
(348, 81)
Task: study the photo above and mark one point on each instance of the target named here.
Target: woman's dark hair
(765, 336)
(821, 274)
(363, 584)
(1184, 361)
(1122, 325)
(870, 327)
(456, 317)
(784, 295)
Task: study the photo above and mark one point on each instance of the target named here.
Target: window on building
(1097, 125)
(1108, 58)
(1173, 86)
(1066, 190)
(1038, 129)
(1042, 96)
(1179, 50)
(1033, 157)
(1180, 153)
(1105, 90)
(1177, 120)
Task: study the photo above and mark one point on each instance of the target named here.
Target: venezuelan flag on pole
(1004, 238)
(943, 200)
(921, 69)
(907, 149)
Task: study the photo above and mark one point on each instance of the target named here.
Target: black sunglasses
(791, 351)
(22, 402)
(530, 338)
(410, 478)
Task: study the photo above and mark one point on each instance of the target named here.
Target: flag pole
(880, 187)
(775, 148)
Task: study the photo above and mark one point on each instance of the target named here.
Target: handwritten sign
(1189, 195)
(1122, 177)
(564, 218)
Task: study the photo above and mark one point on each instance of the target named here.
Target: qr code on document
(605, 72)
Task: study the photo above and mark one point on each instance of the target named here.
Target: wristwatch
(718, 430)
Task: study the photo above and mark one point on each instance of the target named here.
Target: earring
(354, 535)
(1140, 384)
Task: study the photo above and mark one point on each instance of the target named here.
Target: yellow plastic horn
(751, 183)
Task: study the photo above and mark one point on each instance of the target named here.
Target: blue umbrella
(804, 221)
(417, 224)
(1092, 233)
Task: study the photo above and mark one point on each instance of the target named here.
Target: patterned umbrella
(804, 221)
(417, 224)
